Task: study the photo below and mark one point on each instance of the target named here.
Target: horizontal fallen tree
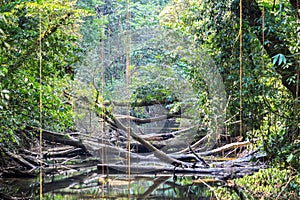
(222, 173)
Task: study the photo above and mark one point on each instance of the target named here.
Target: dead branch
(197, 144)
(57, 153)
(199, 158)
(224, 148)
(62, 138)
(21, 160)
(164, 136)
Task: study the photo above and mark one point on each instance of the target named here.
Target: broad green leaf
(275, 58)
(280, 58)
(290, 158)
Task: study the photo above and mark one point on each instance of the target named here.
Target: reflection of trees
(85, 184)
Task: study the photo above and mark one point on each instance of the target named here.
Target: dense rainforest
(188, 80)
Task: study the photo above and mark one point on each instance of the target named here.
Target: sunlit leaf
(6, 96)
(5, 91)
(290, 158)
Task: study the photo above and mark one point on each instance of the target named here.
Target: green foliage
(282, 149)
(269, 110)
(150, 92)
(223, 193)
(20, 84)
(111, 16)
(280, 58)
(271, 183)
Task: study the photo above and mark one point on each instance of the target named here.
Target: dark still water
(97, 186)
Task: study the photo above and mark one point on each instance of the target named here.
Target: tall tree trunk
(275, 45)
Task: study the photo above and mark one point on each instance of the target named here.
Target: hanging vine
(127, 46)
(41, 103)
(241, 67)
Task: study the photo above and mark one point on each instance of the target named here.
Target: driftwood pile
(73, 152)
(70, 160)
(120, 150)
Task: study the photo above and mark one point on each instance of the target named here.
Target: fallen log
(164, 136)
(56, 153)
(139, 121)
(159, 154)
(14, 172)
(32, 159)
(115, 154)
(213, 172)
(21, 160)
(60, 148)
(61, 168)
(197, 144)
(62, 138)
(224, 148)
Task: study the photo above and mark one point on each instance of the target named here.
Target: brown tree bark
(296, 6)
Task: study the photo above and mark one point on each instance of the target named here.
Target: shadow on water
(92, 185)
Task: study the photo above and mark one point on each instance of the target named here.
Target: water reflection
(91, 185)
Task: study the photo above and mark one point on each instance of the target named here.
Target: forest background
(261, 81)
